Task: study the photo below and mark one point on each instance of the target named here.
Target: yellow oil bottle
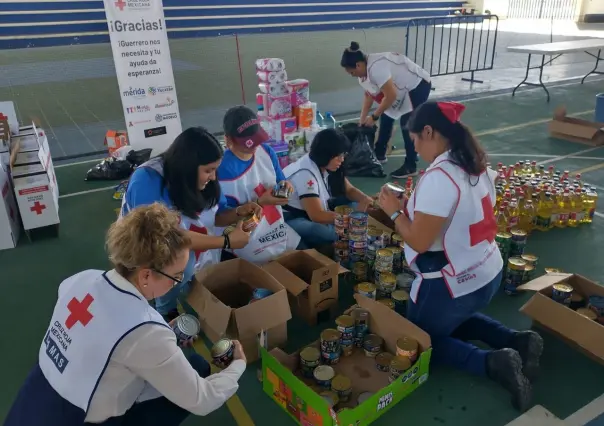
(502, 220)
(555, 208)
(563, 202)
(513, 214)
(590, 203)
(576, 209)
(544, 213)
(527, 216)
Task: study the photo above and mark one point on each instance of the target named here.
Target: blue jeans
(452, 323)
(313, 234)
(168, 302)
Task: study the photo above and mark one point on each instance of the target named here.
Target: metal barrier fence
(453, 45)
(543, 9)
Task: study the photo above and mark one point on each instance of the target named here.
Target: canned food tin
(387, 302)
(347, 347)
(229, 229)
(404, 281)
(250, 223)
(343, 210)
(367, 290)
(529, 273)
(398, 366)
(330, 397)
(345, 324)
(330, 340)
(330, 358)
(514, 275)
(587, 313)
(323, 375)
(384, 254)
(397, 240)
(357, 244)
(358, 219)
(309, 360)
(359, 269)
(372, 344)
(552, 270)
(386, 238)
(186, 327)
(400, 299)
(407, 347)
(222, 353)
(373, 232)
(562, 293)
(342, 386)
(382, 361)
(530, 259)
(396, 188)
(518, 242)
(364, 396)
(504, 242)
(282, 190)
(577, 301)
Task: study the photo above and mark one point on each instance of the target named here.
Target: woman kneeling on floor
(109, 358)
(449, 231)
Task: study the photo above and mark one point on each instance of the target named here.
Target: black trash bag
(138, 157)
(361, 160)
(110, 169)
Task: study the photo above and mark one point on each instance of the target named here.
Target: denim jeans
(313, 234)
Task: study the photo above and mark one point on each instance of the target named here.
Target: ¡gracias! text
(130, 26)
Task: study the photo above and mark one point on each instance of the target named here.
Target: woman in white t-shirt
(398, 85)
(449, 231)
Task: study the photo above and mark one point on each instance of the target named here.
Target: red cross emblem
(486, 229)
(310, 183)
(38, 208)
(120, 4)
(270, 212)
(199, 230)
(78, 311)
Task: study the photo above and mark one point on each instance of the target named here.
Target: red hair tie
(451, 110)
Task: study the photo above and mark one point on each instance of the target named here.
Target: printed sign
(139, 42)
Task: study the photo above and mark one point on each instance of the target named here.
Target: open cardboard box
(579, 331)
(575, 129)
(221, 297)
(311, 280)
(282, 382)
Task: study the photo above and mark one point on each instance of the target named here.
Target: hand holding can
(238, 353)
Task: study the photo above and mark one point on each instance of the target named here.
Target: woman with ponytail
(449, 229)
(397, 85)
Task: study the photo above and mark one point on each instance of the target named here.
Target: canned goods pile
(591, 307)
(346, 326)
(341, 222)
(357, 236)
(519, 270)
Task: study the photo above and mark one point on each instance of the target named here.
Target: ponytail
(443, 117)
(352, 55)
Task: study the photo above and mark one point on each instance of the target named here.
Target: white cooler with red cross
(34, 181)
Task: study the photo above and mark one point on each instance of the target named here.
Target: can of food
(577, 301)
(519, 238)
(397, 189)
(309, 360)
(398, 366)
(186, 327)
(514, 275)
(384, 255)
(282, 190)
(229, 229)
(359, 269)
(407, 347)
(587, 313)
(357, 234)
(596, 304)
(250, 222)
(222, 352)
(363, 396)
(358, 219)
(323, 375)
(386, 238)
(400, 299)
(367, 289)
(382, 361)
(552, 270)
(346, 326)
(562, 293)
(404, 280)
(504, 242)
(342, 386)
(330, 397)
(343, 211)
(330, 346)
(397, 259)
(530, 259)
(372, 344)
(397, 240)
(361, 325)
(387, 302)
(529, 273)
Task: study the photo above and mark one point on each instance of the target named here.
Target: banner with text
(141, 53)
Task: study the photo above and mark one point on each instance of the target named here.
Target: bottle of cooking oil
(576, 209)
(544, 213)
(564, 205)
(502, 220)
(590, 203)
(513, 214)
(527, 216)
(585, 202)
(555, 208)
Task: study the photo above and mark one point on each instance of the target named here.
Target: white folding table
(555, 50)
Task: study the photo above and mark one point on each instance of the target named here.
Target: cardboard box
(221, 294)
(381, 217)
(577, 330)
(9, 214)
(295, 396)
(114, 140)
(576, 129)
(311, 280)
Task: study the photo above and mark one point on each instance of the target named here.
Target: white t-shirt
(437, 197)
(405, 74)
(305, 185)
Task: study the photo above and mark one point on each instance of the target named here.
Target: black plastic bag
(361, 160)
(138, 157)
(110, 169)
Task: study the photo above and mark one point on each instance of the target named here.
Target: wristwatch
(375, 117)
(395, 215)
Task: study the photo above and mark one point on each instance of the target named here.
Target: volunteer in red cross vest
(249, 172)
(449, 230)
(319, 185)
(107, 357)
(184, 178)
(397, 85)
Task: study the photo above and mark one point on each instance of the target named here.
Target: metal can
(587, 313)
(309, 360)
(400, 299)
(250, 222)
(397, 240)
(358, 219)
(407, 347)
(404, 281)
(529, 273)
(342, 386)
(552, 270)
(386, 238)
(282, 190)
(323, 375)
(530, 259)
(229, 229)
(222, 353)
(330, 397)
(387, 284)
(397, 259)
(372, 344)
(330, 346)
(382, 361)
(364, 396)
(562, 293)
(346, 326)
(387, 302)
(359, 269)
(514, 275)
(577, 301)
(398, 366)
(186, 327)
(504, 242)
(361, 325)
(343, 211)
(519, 238)
(367, 290)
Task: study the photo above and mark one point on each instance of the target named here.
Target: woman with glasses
(184, 178)
(319, 186)
(108, 358)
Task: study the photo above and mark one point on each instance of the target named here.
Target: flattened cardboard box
(306, 407)
(575, 129)
(221, 297)
(311, 280)
(588, 335)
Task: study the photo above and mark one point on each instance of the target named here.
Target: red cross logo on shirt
(270, 212)
(38, 208)
(199, 230)
(78, 311)
(120, 4)
(310, 184)
(486, 229)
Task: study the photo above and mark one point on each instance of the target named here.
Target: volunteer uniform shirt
(308, 181)
(405, 74)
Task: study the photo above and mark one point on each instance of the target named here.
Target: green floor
(510, 129)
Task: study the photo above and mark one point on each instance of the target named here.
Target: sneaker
(530, 346)
(383, 160)
(504, 366)
(404, 171)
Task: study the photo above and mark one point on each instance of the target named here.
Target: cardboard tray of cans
(363, 387)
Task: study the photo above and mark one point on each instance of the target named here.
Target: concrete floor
(510, 128)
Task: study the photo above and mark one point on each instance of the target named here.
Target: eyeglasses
(175, 279)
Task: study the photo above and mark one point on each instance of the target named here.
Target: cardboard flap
(324, 260)
(544, 281)
(212, 313)
(263, 314)
(288, 279)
